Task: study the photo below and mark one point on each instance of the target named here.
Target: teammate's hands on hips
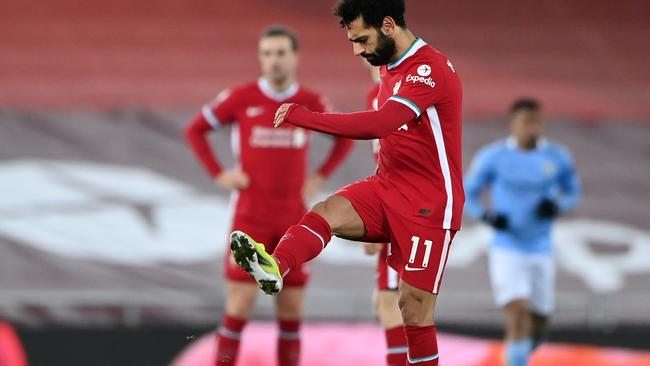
(372, 248)
(312, 186)
(281, 113)
(232, 179)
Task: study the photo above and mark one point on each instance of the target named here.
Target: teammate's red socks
(228, 337)
(302, 242)
(396, 346)
(422, 345)
(288, 342)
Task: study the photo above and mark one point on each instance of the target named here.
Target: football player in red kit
(415, 199)
(268, 182)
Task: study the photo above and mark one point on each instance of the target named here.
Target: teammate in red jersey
(415, 199)
(385, 300)
(269, 182)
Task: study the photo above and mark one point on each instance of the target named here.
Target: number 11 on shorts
(414, 249)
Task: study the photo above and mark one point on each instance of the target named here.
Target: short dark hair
(528, 104)
(373, 12)
(281, 31)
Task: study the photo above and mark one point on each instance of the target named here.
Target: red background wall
(586, 60)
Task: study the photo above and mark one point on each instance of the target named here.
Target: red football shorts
(418, 251)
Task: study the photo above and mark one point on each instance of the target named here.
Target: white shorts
(517, 275)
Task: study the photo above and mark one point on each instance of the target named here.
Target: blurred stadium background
(111, 237)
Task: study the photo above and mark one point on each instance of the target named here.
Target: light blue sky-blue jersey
(518, 180)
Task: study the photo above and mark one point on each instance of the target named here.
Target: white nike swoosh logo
(413, 269)
(254, 111)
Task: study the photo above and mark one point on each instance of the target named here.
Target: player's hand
(497, 221)
(372, 248)
(312, 186)
(547, 209)
(232, 179)
(281, 113)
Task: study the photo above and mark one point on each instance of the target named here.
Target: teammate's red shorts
(269, 233)
(387, 278)
(418, 251)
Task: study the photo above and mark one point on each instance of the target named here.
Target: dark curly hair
(373, 12)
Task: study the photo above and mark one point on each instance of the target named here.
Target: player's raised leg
(355, 212)
(301, 243)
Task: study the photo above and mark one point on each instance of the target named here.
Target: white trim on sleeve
(412, 106)
(209, 116)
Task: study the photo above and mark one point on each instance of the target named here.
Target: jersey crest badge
(396, 87)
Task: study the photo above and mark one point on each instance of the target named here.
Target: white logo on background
(132, 215)
(424, 70)
(574, 252)
(109, 213)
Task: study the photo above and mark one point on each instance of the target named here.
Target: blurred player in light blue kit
(531, 181)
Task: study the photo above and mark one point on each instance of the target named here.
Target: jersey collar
(415, 46)
(266, 89)
(511, 143)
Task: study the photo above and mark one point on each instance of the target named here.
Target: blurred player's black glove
(497, 221)
(547, 209)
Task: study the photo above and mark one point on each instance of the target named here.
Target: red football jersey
(274, 158)
(421, 162)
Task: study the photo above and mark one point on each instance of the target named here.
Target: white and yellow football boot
(252, 257)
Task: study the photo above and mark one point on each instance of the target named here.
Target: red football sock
(422, 345)
(228, 337)
(288, 342)
(396, 346)
(302, 242)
